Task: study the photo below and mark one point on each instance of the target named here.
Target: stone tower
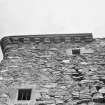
(67, 69)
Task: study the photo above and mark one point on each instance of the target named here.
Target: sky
(23, 17)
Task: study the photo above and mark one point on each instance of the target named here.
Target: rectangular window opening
(76, 51)
(24, 94)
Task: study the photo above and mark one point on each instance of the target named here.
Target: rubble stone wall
(48, 63)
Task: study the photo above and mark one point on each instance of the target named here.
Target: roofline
(47, 35)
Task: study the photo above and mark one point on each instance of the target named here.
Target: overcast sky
(18, 17)
(52, 16)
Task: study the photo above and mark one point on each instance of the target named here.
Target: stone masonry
(66, 69)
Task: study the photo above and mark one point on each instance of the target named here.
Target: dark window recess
(21, 40)
(76, 51)
(24, 94)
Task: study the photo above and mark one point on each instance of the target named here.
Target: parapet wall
(51, 38)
